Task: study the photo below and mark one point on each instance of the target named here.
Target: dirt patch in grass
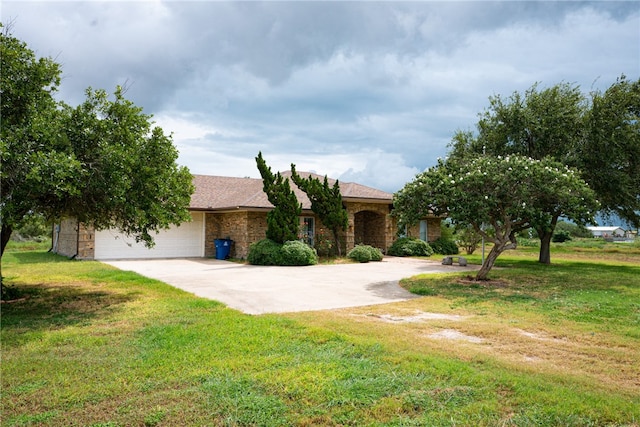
(420, 316)
(539, 337)
(521, 339)
(595, 356)
(452, 334)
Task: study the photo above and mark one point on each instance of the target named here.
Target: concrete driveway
(258, 290)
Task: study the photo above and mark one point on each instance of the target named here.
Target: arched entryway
(369, 229)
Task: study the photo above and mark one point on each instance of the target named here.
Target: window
(423, 230)
(307, 230)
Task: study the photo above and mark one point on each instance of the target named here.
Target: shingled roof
(229, 193)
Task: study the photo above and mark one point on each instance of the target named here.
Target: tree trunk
(499, 246)
(5, 235)
(545, 241)
(336, 238)
(489, 261)
(545, 247)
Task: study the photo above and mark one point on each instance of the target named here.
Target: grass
(552, 346)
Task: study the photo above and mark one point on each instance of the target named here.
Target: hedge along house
(236, 209)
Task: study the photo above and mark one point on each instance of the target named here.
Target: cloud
(342, 88)
(386, 171)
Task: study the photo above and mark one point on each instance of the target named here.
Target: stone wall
(257, 229)
(370, 223)
(242, 227)
(86, 242)
(66, 237)
(369, 229)
(245, 228)
(433, 229)
(324, 236)
(74, 239)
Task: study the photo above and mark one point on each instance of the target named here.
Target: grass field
(539, 345)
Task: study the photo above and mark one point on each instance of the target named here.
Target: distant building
(608, 232)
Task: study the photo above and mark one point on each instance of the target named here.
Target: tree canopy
(326, 202)
(509, 194)
(601, 138)
(283, 219)
(102, 162)
(27, 137)
(129, 177)
(609, 156)
(539, 123)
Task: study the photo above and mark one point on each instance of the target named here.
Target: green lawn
(538, 346)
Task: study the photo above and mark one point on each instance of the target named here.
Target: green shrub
(375, 253)
(467, 238)
(528, 243)
(561, 236)
(268, 252)
(365, 253)
(34, 228)
(297, 253)
(573, 230)
(446, 230)
(444, 247)
(407, 246)
(324, 245)
(264, 252)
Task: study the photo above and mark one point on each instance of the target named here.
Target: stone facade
(65, 237)
(86, 242)
(369, 223)
(433, 229)
(73, 239)
(243, 227)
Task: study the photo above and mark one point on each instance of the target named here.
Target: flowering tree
(510, 194)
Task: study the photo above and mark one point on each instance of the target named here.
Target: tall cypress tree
(326, 202)
(283, 220)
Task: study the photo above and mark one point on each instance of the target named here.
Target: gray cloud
(341, 87)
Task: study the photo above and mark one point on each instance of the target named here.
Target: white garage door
(186, 240)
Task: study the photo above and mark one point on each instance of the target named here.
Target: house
(607, 232)
(236, 208)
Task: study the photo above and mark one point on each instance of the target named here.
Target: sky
(367, 92)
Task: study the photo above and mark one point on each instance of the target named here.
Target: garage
(186, 240)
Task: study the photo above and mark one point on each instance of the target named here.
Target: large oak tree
(609, 155)
(102, 162)
(599, 136)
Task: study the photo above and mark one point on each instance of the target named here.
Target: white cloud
(386, 171)
(365, 91)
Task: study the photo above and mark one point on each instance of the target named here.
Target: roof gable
(222, 192)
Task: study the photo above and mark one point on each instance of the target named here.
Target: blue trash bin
(223, 247)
